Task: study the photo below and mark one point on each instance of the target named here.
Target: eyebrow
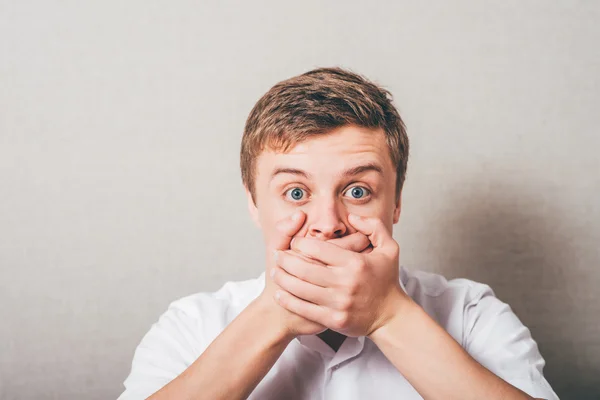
(359, 169)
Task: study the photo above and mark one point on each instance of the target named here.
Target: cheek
(271, 211)
(371, 209)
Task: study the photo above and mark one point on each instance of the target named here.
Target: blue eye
(358, 192)
(295, 194)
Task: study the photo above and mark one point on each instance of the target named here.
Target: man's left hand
(349, 292)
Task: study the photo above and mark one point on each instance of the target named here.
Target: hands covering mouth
(349, 285)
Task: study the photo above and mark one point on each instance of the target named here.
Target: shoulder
(430, 287)
(183, 332)
(195, 320)
(219, 307)
(455, 304)
(192, 322)
(485, 326)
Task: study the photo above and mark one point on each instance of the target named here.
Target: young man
(323, 160)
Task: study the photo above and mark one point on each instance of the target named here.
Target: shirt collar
(403, 279)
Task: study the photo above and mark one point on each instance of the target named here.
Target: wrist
(401, 307)
(267, 311)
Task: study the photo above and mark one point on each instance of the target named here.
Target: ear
(252, 208)
(397, 208)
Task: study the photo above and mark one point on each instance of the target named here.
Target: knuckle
(345, 303)
(358, 265)
(340, 320)
(353, 287)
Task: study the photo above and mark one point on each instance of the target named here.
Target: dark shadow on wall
(526, 250)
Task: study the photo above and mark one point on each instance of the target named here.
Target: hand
(356, 242)
(351, 293)
(288, 228)
(293, 324)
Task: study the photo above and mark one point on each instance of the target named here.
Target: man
(323, 161)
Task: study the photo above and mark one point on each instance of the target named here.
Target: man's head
(328, 142)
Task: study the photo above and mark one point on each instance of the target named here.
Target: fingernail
(275, 254)
(277, 295)
(272, 273)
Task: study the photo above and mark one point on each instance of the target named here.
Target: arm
(237, 360)
(433, 362)
(359, 294)
(250, 345)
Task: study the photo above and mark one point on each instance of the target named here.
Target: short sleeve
(496, 338)
(166, 351)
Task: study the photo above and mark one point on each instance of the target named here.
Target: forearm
(235, 362)
(434, 363)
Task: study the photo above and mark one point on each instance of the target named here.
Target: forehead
(330, 152)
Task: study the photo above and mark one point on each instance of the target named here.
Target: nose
(325, 220)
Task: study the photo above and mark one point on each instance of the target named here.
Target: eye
(294, 194)
(358, 192)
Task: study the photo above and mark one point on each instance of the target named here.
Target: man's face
(348, 170)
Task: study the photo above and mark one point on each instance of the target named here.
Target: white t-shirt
(309, 369)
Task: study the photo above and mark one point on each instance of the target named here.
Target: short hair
(315, 103)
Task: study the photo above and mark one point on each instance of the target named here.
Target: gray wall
(120, 124)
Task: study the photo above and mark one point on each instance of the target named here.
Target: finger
(373, 228)
(303, 308)
(368, 249)
(305, 268)
(356, 242)
(325, 252)
(306, 258)
(286, 229)
(299, 288)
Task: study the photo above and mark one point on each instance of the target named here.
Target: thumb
(373, 228)
(356, 242)
(286, 229)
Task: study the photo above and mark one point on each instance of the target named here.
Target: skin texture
(332, 266)
(318, 169)
(326, 203)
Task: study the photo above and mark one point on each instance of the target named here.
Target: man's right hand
(255, 339)
(293, 324)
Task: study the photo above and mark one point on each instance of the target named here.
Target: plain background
(120, 190)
